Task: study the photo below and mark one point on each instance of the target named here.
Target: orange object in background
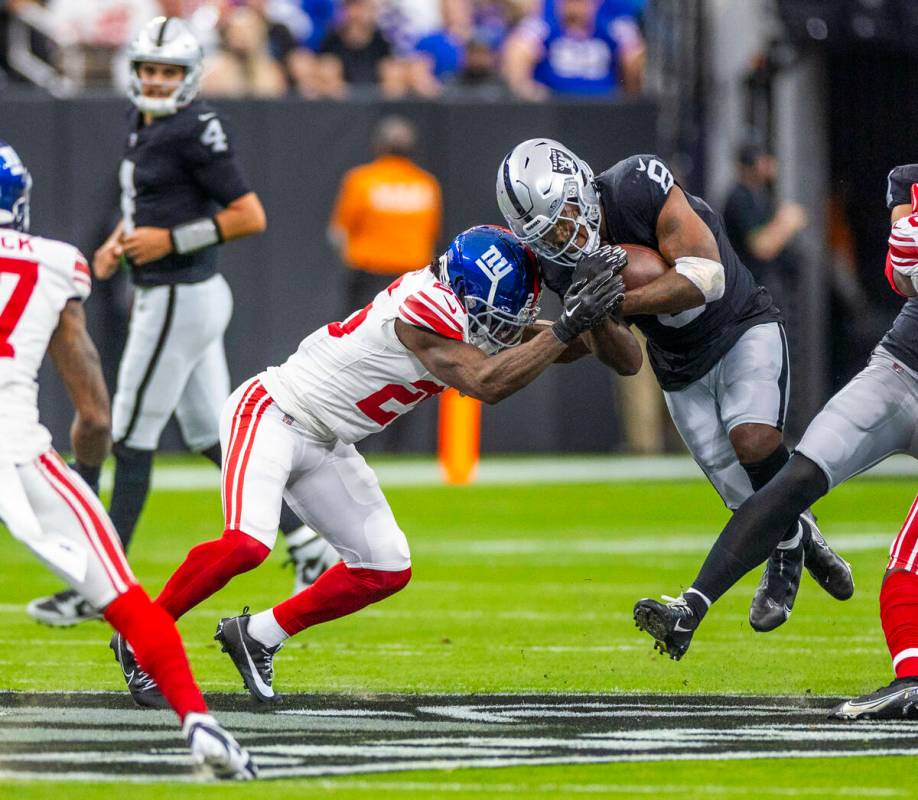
(459, 437)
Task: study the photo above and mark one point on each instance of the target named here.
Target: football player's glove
(902, 256)
(587, 303)
(608, 256)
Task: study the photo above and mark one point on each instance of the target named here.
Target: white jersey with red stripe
(37, 278)
(355, 377)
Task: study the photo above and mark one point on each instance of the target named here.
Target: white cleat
(214, 748)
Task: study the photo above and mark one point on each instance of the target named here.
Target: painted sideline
(503, 471)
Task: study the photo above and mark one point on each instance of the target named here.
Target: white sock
(790, 544)
(263, 626)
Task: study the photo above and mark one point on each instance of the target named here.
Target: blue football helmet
(497, 278)
(15, 187)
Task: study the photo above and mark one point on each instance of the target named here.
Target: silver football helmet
(546, 194)
(165, 40)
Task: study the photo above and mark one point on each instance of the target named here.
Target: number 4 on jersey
(17, 282)
(215, 137)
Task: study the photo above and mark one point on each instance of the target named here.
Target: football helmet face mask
(497, 279)
(546, 194)
(165, 40)
(15, 188)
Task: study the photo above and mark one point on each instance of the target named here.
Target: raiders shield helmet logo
(561, 162)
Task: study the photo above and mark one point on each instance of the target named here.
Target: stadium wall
(288, 281)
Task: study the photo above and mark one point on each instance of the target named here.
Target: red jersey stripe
(431, 319)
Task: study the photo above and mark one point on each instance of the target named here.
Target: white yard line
(501, 470)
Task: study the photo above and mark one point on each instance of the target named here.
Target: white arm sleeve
(706, 274)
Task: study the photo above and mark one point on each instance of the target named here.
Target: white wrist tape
(706, 274)
(195, 235)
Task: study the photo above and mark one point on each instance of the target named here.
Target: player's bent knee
(380, 584)
(753, 441)
(246, 551)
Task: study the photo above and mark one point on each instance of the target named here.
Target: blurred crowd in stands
(486, 49)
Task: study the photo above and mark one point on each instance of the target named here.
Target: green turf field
(517, 589)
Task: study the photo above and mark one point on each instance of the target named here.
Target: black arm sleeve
(899, 185)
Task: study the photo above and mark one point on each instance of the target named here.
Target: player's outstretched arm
(77, 361)
(491, 379)
(687, 243)
(466, 368)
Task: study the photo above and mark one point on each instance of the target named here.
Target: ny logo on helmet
(495, 267)
(11, 161)
(561, 162)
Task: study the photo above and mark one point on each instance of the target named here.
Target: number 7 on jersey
(17, 282)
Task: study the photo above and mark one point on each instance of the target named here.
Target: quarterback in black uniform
(715, 339)
(182, 194)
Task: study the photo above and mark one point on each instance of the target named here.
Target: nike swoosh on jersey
(207, 116)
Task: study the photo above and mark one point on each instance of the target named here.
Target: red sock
(152, 635)
(337, 592)
(208, 568)
(899, 614)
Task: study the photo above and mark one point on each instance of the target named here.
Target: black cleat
(898, 700)
(672, 624)
(774, 598)
(828, 569)
(139, 683)
(254, 661)
(62, 609)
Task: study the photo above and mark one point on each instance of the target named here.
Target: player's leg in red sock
(899, 598)
(158, 648)
(208, 568)
(338, 591)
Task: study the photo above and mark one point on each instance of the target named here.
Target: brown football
(644, 265)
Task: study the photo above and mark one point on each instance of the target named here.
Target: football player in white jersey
(289, 432)
(48, 506)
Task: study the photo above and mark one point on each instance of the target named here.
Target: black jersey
(682, 347)
(902, 339)
(175, 170)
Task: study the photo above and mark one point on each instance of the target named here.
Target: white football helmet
(546, 194)
(165, 40)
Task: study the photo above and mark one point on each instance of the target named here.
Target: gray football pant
(872, 417)
(750, 383)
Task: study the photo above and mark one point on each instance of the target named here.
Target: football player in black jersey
(872, 417)
(714, 338)
(182, 194)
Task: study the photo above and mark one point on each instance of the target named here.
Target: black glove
(88, 474)
(587, 303)
(607, 256)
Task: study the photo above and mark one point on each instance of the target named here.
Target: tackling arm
(681, 234)
(77, 361)
(466, 368)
